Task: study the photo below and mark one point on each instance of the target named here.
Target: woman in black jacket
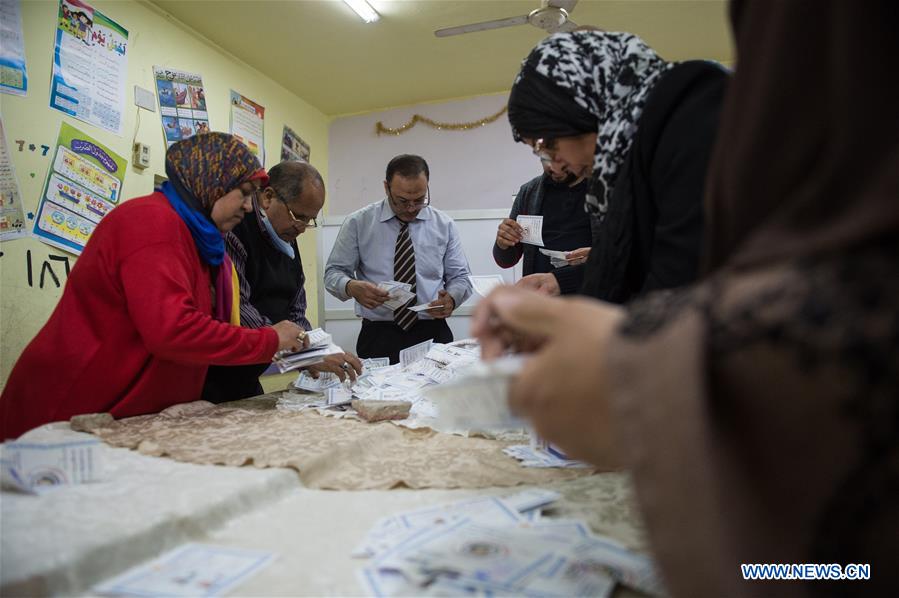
(606, 106)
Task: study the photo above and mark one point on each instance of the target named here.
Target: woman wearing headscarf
(606, 103)
(758, 411)
(151, 301)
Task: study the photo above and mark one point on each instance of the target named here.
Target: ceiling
(321, 51)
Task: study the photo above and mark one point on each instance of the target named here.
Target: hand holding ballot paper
(319, 355)
(566, 258)
(561, 386)
(532, 229)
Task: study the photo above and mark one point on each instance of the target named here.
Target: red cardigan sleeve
(158, 282)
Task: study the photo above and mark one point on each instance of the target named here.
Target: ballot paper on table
(390, 530)
(400, 294)
(484, 284)
(191, 570)
(36, 467)
(415, 352)
(518, 559)
(532, 229)
(477, 398)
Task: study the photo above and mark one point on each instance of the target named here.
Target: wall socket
(141, 156)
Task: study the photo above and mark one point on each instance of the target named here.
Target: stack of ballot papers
(489, 546)
(320, 346)
(531, 456)
(422, 368)
(400, 293)
(541, 453)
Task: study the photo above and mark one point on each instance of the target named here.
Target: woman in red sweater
(147, 306)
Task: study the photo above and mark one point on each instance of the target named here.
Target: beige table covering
(328, 453)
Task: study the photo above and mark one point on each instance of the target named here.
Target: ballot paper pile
(490, 546)
(320, 346)
(541, 453)
(36, 467)
(423, 366)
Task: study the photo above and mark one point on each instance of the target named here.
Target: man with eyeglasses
(558, 196)
(267, 259)
(400, 238)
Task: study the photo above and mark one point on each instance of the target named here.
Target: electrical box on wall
(141, 157)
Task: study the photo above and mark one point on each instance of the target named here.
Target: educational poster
(12, 216)
(13, 76)
(90, 66)
(293, 147)
(84, 183)
(247, 123)
(182, 104)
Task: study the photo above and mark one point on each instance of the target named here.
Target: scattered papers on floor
(191, 570)
(496, 546)
(36, 467)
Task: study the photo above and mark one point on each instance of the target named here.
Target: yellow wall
(154, 39)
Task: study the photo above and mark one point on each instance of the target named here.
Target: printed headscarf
(205, 167)
(202, 169)
(605, 75)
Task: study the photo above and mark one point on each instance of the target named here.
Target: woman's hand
(562, 388)
(290, 336)
(342, 365)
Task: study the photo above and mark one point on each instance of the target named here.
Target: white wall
(475, 169)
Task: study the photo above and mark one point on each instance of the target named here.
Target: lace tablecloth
(328, 453)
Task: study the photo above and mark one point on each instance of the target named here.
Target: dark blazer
(530, 201)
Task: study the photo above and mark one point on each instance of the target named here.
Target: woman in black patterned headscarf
(605, 105)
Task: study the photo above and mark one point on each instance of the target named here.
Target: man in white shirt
(400, 238)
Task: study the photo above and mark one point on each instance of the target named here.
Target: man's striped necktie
(404, 271)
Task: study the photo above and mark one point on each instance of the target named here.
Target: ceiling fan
(552, 16)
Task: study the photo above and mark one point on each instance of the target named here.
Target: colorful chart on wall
(83, 184)
(12, 217)
(13, 75)
(90, 66)
(293, 147)
(182, 104)
(247, 119)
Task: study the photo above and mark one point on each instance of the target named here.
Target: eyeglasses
(306, 221)
(545, 150)
(411, 203)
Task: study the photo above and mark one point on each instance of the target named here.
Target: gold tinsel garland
(418, 118)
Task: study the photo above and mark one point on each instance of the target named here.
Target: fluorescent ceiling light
(364, 10)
